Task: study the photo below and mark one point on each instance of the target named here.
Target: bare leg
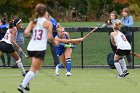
(35, 67)
(19, 63)
(62, 59)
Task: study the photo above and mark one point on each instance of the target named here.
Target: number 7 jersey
(38, 40)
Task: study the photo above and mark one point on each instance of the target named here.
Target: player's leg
(61, 64)
(117, 65)
(68, 53)
(53, 52)
(35, 67)
(36, 59)
(8, 59)
(3, 60)
(124, 67)
(19, 63)
(123, 64)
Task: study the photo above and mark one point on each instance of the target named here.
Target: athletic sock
(20, 66)
(29, 76)
(123, 64)
(60, 65)
(118, 67)
(68, 64)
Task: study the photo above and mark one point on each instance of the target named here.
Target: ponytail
(11, 24)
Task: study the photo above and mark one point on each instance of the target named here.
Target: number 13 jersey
(121, 42)
(38, 40)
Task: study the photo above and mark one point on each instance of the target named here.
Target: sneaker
(125, 73)
(21, 89)
(68, 74)
(121, 76)
(57, 69)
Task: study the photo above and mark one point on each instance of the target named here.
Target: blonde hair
(117, 24)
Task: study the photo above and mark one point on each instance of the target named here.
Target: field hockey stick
(67, 45)
(137, 55)
(88, 34)
(25, 55)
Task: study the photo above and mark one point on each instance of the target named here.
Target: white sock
(123, 64)
(118, 67)
(29, 76)
(20, 66)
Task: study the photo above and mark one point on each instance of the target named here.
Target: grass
(82, 81)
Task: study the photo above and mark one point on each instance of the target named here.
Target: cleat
(68, 74)
(21, 89)
(125, 73)
(27, 87)
(57, 69)
(121, 76)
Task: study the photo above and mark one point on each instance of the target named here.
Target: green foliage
(86, 10)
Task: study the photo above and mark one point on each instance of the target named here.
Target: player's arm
(14, 31)
(68, 40)
(112, 39)
(28, 29)
(48, 25)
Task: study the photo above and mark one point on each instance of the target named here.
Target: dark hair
(11, 24)
(40, 10)
(14, 22)
(115, 13)
(3, 22)
(110, 21)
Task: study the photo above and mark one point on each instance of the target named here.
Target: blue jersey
(60, 49)
(54, 23)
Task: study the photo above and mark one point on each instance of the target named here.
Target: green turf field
(82, 81)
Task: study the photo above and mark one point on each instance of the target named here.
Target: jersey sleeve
(54, 23)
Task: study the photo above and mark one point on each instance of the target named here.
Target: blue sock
(68, 64)
(60, 65)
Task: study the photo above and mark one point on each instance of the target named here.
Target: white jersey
(121, 42)
(7, 37)
(38, 40)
